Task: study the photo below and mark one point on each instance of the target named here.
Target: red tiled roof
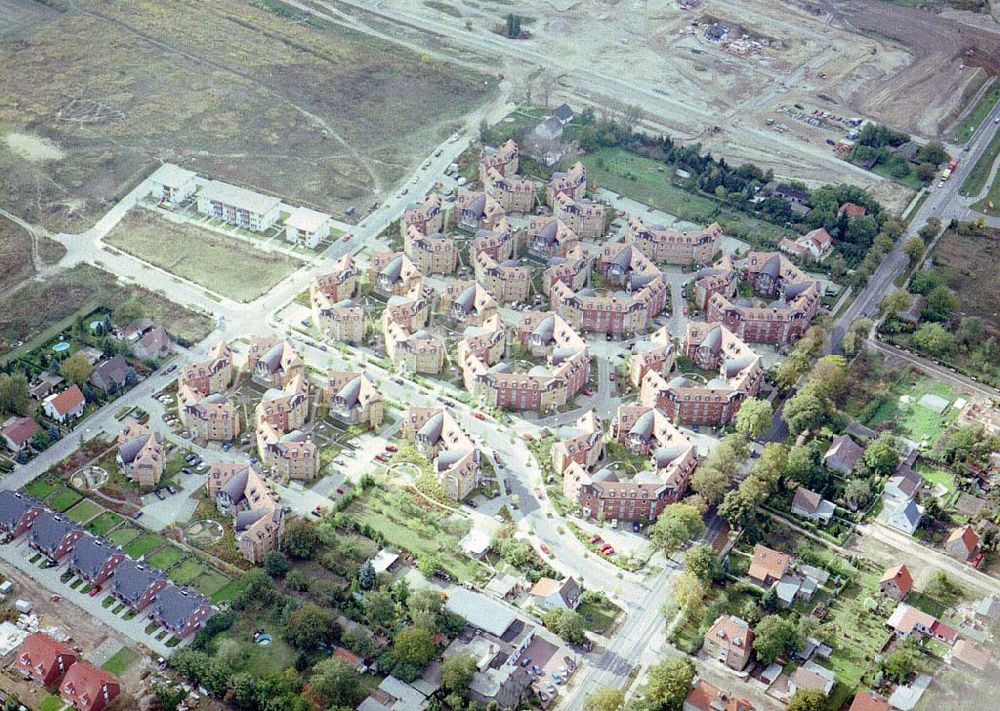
(21, 430)
(347, 656)
(968, 536)
(852, 210)
(83, 683)
(68, 400)
(869, 701)
(42, 650)
(942, 629)
(768, 563)
(975, 655)
(706, 697)
(901, 574)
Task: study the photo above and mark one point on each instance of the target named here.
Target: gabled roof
(975, 655)
(66, 401)
(806, 500)
(901, 575)
(705, 697)
(868, 701)
(176, 606)
(21, 430)
(50, 530)
(13, 506)
(768, 563)
(89, 555)
(843, 451)
(967, 535)
(132, 580)
(85, 683)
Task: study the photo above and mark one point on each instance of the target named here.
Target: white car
(941, 184)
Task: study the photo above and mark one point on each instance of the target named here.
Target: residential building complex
(667, 246)
(353, 398)
(238, 206)
(439, 437)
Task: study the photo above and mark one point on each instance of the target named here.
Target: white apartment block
(238, 206)
(307, 227)
(172, 184)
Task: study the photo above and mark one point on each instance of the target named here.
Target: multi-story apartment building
(636, 496)
(573, 270)
(439, 437)
(717, 401)
(354, 398)
(643, 294)
(418, 352)
(411, 311)
(307, 227)
(477, 211)
(514, 193)
(507, 281)
(585, 217)
(657, 353)
(392, 273)
(172, 184)
(499, 242)
(544, 387)
(433, 253)
(720, 278)
(467, 303)
(210, 418)
(786, 318)
(258, 520)
(210, 376)
(571, 183)
(666, 246)
(486, 342)
(504, 159)
(273, 363)
(341, 320)
(287, 408)
(238, 206)
(337, 284)
(288, 456)
(426, 216)
(729, 641)
(581, 443)
(141, 455)
(548, 237)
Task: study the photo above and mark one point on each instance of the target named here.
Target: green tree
(930, 230)
(568, 624)
(970, 330)
(926, 172)
(413, 645)
(934, 339)
(669, 683)
(830, 375)
(700, 560)
(807, 700)
(300, 539)
(689, 591)
(901, 662)
(880, 456)
(76, 368)
(775, 636)
(15, 397)
(425, 607)
(942, 301)
(335, 683)
(380, 609)
(858, 493)
(709, 482)
(801, 462)
(737, 509)
(457, 672)
(895, 303)
(678, 524)
(605, 699)
(275, 564)
(311, 626)
(366, 576)
(914, 249)
(806, 409)
(754, 418)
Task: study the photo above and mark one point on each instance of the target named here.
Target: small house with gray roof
(18, 512)
(843, 455)
(94, 559)
(54, 535)
(181, 610)
(136, 584)
(111, 375)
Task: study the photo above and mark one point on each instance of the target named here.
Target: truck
(946, 173)
(952, 164)
(23, 606)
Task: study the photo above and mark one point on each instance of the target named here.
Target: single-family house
(94, 559)
(905, 516)
(808, 504)
(908, 621)
(43, 658)
(111, 375)
(181, 610)
(136, 584)
(868, 701)
(394, 694)
(988, 609)
(87, 688)
(17, 512)
(768, 566)
(551, 594)
(896, 582)
(729, 641)
(812, 676)
(705, 697)
(970, 654)
(153, 345)
(843, 455)
(53, 535)
(17, 433)
(963, 543)
(66, 405)
(906, 696)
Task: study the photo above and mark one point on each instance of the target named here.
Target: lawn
(964, 130)
(84, 511)
(226, 593)
(597, 617)
(123, 535)
(990, 205)
(214, 261)
(63, 499)
(51, 703)
(648, 181)
(103, 523)
(186, 571)
(210, 582)
(144, 545)
(166, 557)
(121, 660)
(41, 487)
(936, 476)
(980, 173)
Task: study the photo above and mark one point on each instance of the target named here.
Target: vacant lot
(971, 264)
(980, 173)
(228, 88)
(42, 309)
(225, 265)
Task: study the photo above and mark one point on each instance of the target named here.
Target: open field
(227, 266)
(963, 130)
(980, 173)
(970, 264)
(324, 114)
(41, 309)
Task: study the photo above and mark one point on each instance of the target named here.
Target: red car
(340, 491)
(545, 549)
(347, 238)
(596, 538)
(586, 392)
(606, 549)
(381, 458)
(95, 590)
(391, 448)
(479, 415)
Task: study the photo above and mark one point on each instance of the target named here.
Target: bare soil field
(15, 254)
(226, 265)
(971, 264)
(320, 113)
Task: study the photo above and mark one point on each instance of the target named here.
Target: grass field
(84, 511)
(104, 523)
(121, 660)
(226, 593)
(185, 571)
(227, 266)
(124, 535)
(640, 178)
(968, 262)
(980, 173)
(63, 499)
(963, 131)
(210, 582)
(38, 311)
(144, 545)
(166, 557)
(935, 476)
(41, 487)
(235, 91)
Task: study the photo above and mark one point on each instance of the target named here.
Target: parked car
(340, 491)
(596, 538)
(381, 458)
(471, 503)
(94, 591)
(185, 470)
(391, 448)
(159, 494)
(171, 489)
(479, 415)
(526, 661)
(545, 549)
